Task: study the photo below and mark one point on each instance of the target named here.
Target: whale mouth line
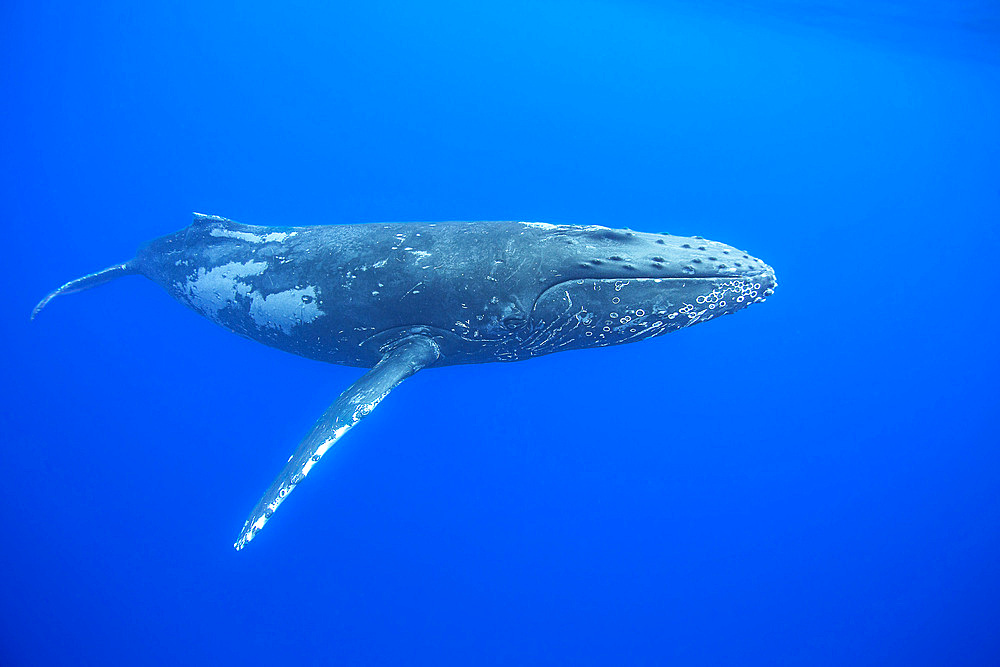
(767, 283)
(622, 279)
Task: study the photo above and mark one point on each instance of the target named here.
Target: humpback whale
(396, 298)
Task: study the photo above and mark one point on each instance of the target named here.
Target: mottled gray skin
(484, 291)
(399, 297)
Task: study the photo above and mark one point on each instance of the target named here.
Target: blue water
(813, 481)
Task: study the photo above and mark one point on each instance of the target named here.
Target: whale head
(625, 286)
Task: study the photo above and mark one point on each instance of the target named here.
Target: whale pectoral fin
(403, 360)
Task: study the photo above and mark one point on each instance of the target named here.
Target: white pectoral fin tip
(299, 464)
(250, 530)
(86, 282)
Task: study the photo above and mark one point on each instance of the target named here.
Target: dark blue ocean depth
(813, 481)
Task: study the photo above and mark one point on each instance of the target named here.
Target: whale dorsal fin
(398, 363)
(205, 219)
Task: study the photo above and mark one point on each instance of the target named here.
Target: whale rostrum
(399, 297)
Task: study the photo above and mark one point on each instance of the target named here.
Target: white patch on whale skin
(550, 227)
(285, 310)
(270, 237)
(211, 290)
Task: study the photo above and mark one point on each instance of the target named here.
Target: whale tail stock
(88, 281)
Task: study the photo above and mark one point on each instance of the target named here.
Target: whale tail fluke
(86, 282)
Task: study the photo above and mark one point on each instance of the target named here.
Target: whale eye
(514, 321)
